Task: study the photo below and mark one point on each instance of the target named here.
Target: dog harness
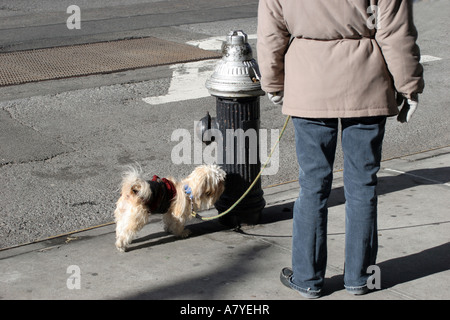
(163, 191)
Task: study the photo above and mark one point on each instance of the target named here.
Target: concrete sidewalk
(216, 263)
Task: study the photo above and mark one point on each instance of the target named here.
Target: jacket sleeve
(273, 40)
(396, 35)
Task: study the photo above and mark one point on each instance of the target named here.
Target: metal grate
(103, 57)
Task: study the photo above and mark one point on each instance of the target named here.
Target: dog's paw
(121, 246)
(185, 233)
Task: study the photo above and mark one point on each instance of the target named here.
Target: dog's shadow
(196, 227)
(146, 241)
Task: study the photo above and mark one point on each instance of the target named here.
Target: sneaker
(285, 278)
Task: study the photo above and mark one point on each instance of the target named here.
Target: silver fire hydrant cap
(237, 73)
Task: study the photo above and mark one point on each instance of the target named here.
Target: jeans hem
(286, 279)
(306, 292)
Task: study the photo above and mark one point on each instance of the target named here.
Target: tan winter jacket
(347, 57)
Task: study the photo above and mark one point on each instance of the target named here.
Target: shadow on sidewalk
(415, 266)
(210, 285)
(403, 269)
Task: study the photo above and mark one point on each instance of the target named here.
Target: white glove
(276, 97)
(408, 108)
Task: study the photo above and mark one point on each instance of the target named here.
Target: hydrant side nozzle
(203, 129)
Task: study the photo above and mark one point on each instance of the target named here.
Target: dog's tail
(134, 182)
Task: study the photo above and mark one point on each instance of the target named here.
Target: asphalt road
(64, 143)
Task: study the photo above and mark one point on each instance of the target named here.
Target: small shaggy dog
(139, 198)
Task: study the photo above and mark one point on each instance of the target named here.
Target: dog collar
(188, 191)
(163, 191)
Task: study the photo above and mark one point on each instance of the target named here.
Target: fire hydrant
(235, 84)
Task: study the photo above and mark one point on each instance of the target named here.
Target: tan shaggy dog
(140, 198)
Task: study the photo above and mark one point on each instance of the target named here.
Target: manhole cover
(86, 59)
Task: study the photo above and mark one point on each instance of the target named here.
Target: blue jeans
(316, 141)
